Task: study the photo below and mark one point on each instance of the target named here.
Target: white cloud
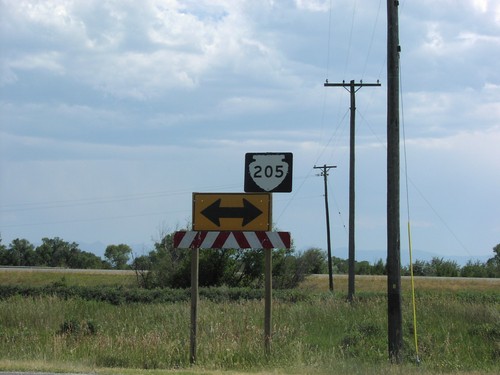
(50, 61)
(452, 111)
(117, 96)
(241, 105)
(481, 5)
(142, 51)
(470, 39)
(447, 43)
(7, 76)
(478, 147)
(429, 103)
(313, 5)
(52, 13)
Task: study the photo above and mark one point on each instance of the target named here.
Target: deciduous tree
(118, 255)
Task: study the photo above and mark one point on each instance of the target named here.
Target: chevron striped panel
(231, 240)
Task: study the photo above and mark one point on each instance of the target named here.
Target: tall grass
(323, 335)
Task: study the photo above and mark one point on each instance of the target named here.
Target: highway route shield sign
(232, 211)
(268, 172)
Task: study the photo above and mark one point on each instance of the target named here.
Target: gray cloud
(116, 98)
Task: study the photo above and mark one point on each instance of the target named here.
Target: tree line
(166, 266)
(55, 252)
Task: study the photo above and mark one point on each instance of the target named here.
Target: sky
(112, 113)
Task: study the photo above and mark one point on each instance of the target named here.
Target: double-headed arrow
(215, 212)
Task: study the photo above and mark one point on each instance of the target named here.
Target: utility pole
(394, 315)
(352, 87)
(324, 172)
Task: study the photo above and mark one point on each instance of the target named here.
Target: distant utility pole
(324, 172)
(352, 87)
(394, 315)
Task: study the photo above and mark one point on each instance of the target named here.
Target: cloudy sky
(112, 113)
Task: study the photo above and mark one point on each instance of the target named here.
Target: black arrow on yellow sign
(215, 212)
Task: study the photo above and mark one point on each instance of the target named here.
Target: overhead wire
(28, 206)
(89, 220)
(322, 119)
(335, 133)
(350, 37)
(412, 183)
(60, 204)
(410, 250)
(329, 38)
(372, 39)
(83, 202)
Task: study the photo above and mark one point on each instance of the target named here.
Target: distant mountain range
(374, 255)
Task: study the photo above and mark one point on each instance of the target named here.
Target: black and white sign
(268, 172)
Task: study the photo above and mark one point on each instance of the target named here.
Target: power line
(372, 38)
(96, 200)
(350, 37)
(94, 219)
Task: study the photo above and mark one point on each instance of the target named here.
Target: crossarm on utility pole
(348, 84)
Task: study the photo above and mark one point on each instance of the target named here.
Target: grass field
(46, 276)
(458, 330)
(367, 283)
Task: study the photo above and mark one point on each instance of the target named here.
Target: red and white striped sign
(231, 240)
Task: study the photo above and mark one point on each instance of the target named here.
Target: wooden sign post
(195, 240)
(195, 261)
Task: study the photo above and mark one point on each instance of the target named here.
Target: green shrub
(120, 295)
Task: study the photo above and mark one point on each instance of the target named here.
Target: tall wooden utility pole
(324, 172)
(352, 87)
(394, 315)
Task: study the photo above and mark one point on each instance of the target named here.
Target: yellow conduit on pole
(415, 336)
